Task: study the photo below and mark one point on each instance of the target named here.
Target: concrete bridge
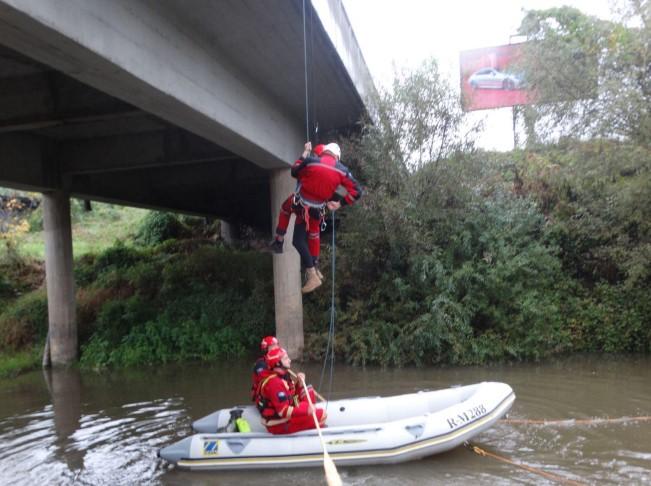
(195, 107)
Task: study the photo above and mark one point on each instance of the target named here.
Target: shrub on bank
(24, 321)
(207, 304)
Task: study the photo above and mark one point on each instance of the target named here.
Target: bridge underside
(171, 105)
(194, 107)
(59, 134)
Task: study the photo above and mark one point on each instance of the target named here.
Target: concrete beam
(233, 190)
(62, 328)
(339, 31)
(24, 163)
(127, 152)
(50, 98)
(133, 51)
(288, 299)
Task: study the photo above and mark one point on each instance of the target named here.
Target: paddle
(331, 474)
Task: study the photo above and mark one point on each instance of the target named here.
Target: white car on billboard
(491, 78)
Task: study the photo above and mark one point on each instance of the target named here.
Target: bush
(158, 227)
(206, 304)
(24, 322)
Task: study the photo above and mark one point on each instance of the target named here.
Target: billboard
(490, 78)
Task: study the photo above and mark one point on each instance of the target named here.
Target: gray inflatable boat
(359, 431)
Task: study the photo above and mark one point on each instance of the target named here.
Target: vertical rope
(333, 311)
(315, 99)
(330, 347)
(307, 111)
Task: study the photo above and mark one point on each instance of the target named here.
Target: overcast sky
(403, 33)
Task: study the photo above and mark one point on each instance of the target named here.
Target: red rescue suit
(260, 370)
(284, 407)
(318, 180)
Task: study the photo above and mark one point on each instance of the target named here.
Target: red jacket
(260, 370)
(320, 178)
(278, 398)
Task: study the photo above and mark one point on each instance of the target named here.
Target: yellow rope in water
(554, 477)
(606, 420)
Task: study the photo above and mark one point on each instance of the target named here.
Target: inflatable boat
(359, 431)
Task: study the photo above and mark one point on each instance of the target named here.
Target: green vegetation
(14, 363)
(178, 301)
(455, 255)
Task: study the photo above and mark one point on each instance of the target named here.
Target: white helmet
(334, 149)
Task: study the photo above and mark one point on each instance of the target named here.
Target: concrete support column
(287, 273)
(62, 333)
(228, 232)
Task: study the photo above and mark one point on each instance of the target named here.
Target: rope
(315, 96)
(554, 477)
(568, 422)
(330, 347)
(307, 110)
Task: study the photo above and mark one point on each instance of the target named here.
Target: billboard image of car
(490, 78)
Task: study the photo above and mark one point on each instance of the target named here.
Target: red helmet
(318, 150)
(267, 342)
(274, 356)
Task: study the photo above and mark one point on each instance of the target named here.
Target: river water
(71, 427)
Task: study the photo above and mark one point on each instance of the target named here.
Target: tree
(593, 77)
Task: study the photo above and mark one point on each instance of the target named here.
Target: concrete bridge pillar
(287, 274)
(62, 322)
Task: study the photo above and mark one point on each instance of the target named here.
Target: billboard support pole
(515, 132)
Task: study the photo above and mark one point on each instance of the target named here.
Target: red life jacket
(319, 179)
(264, 404)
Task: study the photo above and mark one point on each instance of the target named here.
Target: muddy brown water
(72, 427)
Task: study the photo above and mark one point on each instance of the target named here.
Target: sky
(403, 33)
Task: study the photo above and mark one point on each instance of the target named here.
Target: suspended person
(283, 405)
(289, 206)
(318, 181)
(268, 343)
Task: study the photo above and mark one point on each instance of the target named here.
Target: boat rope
(330, 346)
(551, 476)
(570, 422)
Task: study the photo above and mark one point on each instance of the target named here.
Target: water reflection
(65, 394)
(71, 427)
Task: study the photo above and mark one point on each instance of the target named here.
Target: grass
(14, 363)
(22, 272)
(92, 232)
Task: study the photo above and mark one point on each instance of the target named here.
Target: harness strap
(306, 204)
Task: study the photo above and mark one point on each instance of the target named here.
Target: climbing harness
(306, 205)
(553, 477)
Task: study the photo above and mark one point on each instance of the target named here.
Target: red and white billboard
(490, 78)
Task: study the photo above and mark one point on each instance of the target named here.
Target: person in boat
(260, 367)
(319, 177)
(283, 404)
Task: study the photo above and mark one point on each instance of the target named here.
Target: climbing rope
(554, 477)
(315, 98)
(329, 356)
(330, 347)
(569, 422)
(307, 106)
